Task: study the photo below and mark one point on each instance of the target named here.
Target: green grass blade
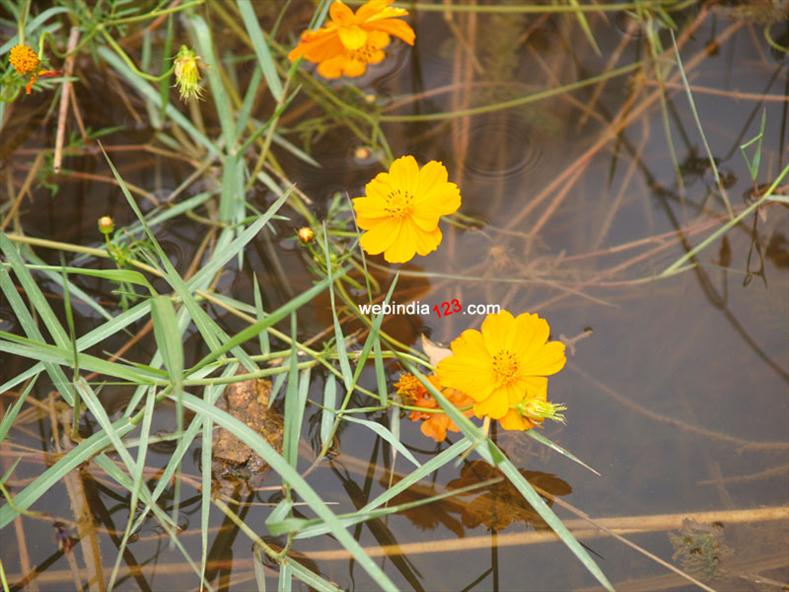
(329, 409)
(25, 319)
(339, 338)
(205, 44)
(387, 435)
(553, 446)
(265, 61)
(81, 453)
(294, 480)
(491, 454)
(11, 413)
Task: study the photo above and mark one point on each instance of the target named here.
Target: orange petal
(340, 13)
(398, 28)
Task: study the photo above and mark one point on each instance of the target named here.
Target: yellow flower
(402, 209)
(187, 73)
(504, 364)
(353, 62)
(351, 40)
(24, 59)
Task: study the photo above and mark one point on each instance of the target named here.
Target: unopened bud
(306, 235)
(106, 225)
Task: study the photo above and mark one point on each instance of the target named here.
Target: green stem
(128, 61)
(538, 96)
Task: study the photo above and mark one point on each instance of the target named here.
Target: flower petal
(378, 9)
(381, 236)
(331, 68)
(340, 13)
(400, 29)
(496, 329)
(403, 245)
(514, 421)
(548, 360)
(426, 241)
(495, 406)
(432, 174)
(441, 201)
(404, 174)
(529, 334)
(354, 68)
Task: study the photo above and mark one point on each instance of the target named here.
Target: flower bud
(537, 410)
(187, 73)
(106, 225)
(306, 235)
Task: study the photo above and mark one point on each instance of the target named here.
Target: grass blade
(265, 61)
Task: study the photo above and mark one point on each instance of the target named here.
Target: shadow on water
(678, 398)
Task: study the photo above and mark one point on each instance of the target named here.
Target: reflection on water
(678, 399)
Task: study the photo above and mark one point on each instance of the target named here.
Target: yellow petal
(404, 174)
(549, 359)
(380, 237)
(379, 187)
(369, 206)
(403, 247)
(352, 37)
(432, 174)
(495, 406)
(514, 421)
(440, 201)
(471, 344)
(529, 335)
(536, 387)
(496, 329)
(426, 241)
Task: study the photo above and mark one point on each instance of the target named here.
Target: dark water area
(677, 396)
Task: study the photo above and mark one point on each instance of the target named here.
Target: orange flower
(351, 40)
(25, 61)
(434, 425)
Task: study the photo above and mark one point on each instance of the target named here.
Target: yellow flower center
(23, 59)
(398, 203)
(505, 366)
(364, 54)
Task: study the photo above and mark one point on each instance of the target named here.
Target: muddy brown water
(678, 397)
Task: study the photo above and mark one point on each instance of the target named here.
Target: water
(677, 397)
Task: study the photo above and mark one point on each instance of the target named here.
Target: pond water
(676, 388)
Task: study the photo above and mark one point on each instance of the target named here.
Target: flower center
(364, 53)
(398, 203)
(505, 365)
(23, 59)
